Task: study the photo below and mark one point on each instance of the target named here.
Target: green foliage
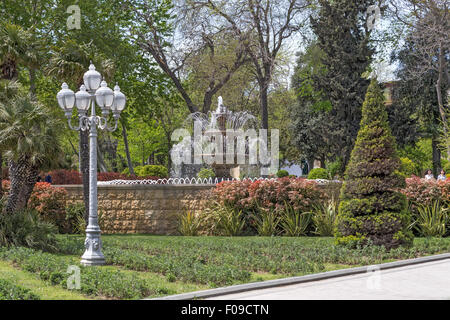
(27, 129)
(318, 173)
(11, 291)
(230, 222)
(266, 222)
(407, 167)
(189, 224)
(75, 217)
(432, 219)
(324, 217)
(371, 209)
(94, 281)
(334, 168)
(25, 228)
(339, 30)
(447, 168)
(294, 223)
(152, 171)
(282, 173)
(206, 173)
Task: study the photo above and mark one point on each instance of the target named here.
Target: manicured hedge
(371, 207)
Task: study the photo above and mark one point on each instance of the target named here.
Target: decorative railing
(198, 181)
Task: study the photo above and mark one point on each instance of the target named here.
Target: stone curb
(296, 280)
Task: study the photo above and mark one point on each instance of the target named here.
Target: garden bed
(151, 266)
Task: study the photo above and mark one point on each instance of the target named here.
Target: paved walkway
(422, 281)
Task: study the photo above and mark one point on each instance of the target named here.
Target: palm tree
(8, 90)
(18, 47)
(29, 139)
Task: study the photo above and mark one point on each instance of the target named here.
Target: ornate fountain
(213, 127)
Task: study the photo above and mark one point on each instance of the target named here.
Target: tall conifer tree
(371, 207)
(343, 36)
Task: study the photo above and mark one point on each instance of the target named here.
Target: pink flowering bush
(269, 194)
(423, 192)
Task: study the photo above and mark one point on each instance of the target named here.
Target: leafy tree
(415, 112)
(343, 37)
(371, 207)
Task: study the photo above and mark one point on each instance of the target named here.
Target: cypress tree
(371, 207)
(344, 39)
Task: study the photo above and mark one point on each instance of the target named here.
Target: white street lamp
(94, 91)
(66, 98)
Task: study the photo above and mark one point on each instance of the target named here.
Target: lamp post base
(93, 255)
(93, 262)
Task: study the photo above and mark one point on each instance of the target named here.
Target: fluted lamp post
(93, 92)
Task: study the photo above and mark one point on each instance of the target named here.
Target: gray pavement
(429, 280)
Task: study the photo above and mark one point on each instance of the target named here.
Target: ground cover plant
(11, 291)
(142, 265)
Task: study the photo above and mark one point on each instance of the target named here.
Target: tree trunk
(436, 155)
(263, 102)
(127, 150)
(28, 186)
(18, 171)
(84, 167)
(101, 162)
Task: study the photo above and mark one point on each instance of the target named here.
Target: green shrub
(25, 228)
(152, 171)
(282, 173)
(11, 291)
(447, 167)
(334, 168)
(266, 222)
(318, 173)
(229, 222)
(206, 173)
(294, 223)
(371, 208)
(431, 220)
(324, 217)
(189, 224)
(407, 167)
(75, 217)
(126, 171)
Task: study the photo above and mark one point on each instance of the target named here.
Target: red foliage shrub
(47, 200)
(269, 194)
(421, 191)
(63, 176)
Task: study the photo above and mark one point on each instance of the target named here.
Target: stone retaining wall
(150, 209)
(141, 208)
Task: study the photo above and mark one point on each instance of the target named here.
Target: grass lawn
(150, 266)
